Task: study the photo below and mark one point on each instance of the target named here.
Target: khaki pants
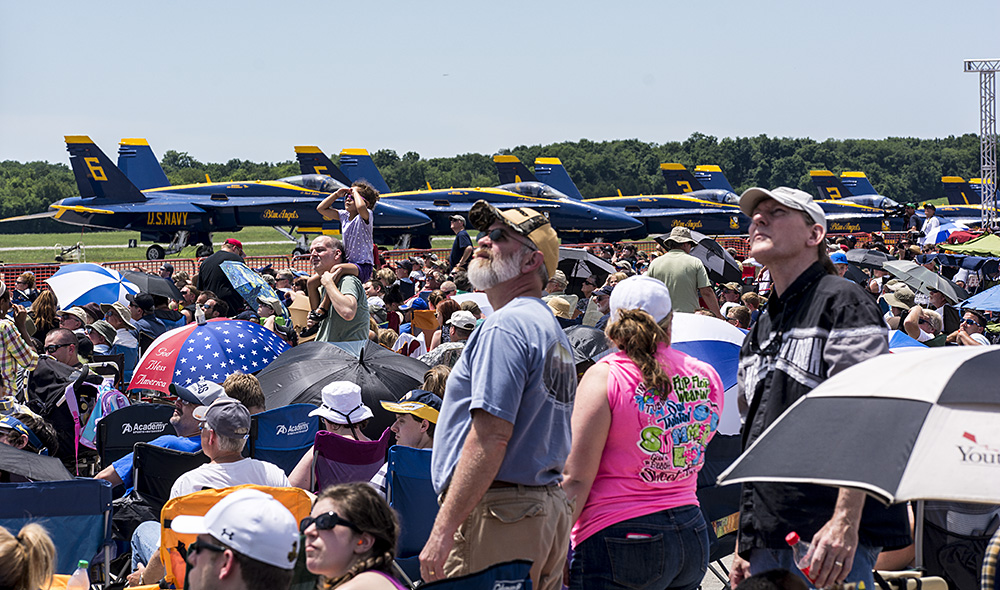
(520, 522)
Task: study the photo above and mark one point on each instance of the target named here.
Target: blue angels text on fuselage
(573, 220)
(109, 199)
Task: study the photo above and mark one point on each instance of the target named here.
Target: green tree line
(905, 169)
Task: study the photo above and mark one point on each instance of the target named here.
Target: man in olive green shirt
(684, 275)
(347, 321)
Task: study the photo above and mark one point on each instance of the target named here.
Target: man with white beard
(504, 429)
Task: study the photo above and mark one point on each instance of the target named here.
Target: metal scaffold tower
(987, 68)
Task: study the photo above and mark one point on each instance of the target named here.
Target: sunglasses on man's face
(54, 347)
(325, 522)
(971, 323)
(199, 546)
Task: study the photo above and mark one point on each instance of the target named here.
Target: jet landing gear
(180, 241)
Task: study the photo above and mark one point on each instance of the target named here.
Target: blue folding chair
(282, 435)
(510, 575)
(411, 494)
(76, 513)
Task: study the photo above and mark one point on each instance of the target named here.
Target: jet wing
(429, 208)
(42, 215)
(641, 213)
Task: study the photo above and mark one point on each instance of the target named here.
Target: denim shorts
(667, 549)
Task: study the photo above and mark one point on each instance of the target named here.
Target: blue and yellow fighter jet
(852, 204)
(575, 221)
(708, 211)
(191, 213)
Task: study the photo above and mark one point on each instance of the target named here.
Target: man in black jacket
(814, 326)
(211, 277)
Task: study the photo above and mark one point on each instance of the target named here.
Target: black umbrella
(578, 265)
(868, 258)
(857, 275)
(721, 266)
(32, 466)
(589, 344)
(153, 284)
(299, 374)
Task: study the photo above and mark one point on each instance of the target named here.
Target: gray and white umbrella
(922, 279)
(918, 426)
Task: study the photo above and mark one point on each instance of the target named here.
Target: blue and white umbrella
(84, 282)
(717, 343)
(900, 341)
(942, 232)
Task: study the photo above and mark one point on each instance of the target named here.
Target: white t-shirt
(980, 339)
(224, 475)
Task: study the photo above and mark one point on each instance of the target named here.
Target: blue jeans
(667, 549)
(762, 560)
(145, 543)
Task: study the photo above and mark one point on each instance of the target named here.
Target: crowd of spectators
(500, 399)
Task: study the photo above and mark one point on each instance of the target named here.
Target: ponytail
(28, 558)
(636, 334)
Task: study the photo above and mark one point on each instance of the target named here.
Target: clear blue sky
(251, 79)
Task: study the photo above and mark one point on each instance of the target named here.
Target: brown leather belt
(506, 484)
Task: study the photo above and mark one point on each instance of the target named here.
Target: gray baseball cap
(789, 197)
(226, 416)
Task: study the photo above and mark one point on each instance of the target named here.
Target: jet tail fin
(96, 175)
(511, 170)
(312, 160)
(137, 161)
(357, 164)
(960, 192)
(552, 172)
(679, 180)
(829, 185)
(711, 177)
(857, 183)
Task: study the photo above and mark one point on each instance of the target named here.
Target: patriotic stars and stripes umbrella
(211, 351)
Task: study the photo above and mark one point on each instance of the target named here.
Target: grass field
(112, 246)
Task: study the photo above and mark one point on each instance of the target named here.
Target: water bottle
(801, 552)
(79, 580)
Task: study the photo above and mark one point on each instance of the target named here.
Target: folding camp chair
(720, 505)
(955, 538)
(173, 545)
(412, 496)
(109, 365)
(337, 459)
(76, 513)
(282, 435)
(509, 575)
(155, 469)
(119, 431)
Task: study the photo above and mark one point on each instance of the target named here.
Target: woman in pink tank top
(641, 421)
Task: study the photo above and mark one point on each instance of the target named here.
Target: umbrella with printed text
(85, 282)
(209, 351)
(914, 426)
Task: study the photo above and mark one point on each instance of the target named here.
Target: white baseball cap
(789, 197)
(250, 522)
(641, 292)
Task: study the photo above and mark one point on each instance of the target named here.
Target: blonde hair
(361, 505)
(387, 337)
(636, 334)
(28, 559)
(435, 379)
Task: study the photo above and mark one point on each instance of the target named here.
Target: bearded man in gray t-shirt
(504, 430)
